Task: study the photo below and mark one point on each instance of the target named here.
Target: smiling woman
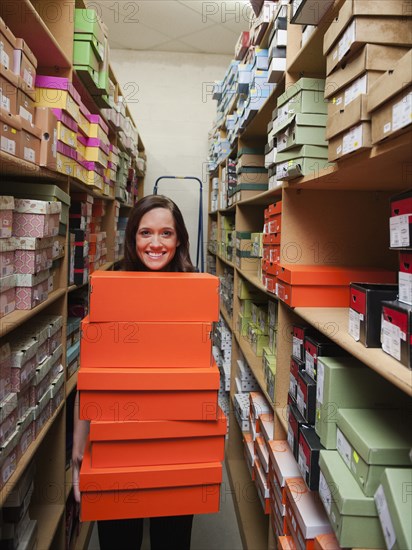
(156, 237)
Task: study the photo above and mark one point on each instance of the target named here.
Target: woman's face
(156, 239)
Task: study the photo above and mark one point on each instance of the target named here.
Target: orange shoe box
(148, 491)
(148, 394)
(157, 442)
(324, 285)
(149, 345)
(140, 296)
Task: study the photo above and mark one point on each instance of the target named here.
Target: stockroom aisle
(210, 531)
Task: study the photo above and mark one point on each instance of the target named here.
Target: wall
(169, 95)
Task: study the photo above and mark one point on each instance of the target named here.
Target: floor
(210, 531)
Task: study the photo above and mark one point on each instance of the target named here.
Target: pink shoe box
(41, 379)
(27, 435)
(38, 328)
(57, 392)
(7, 248)
(42, 412)
(32, 290)
(54, 327)
(5, 370)
(23, 361)
(56, 361)
(8, 458)
(7, 295)
(33, 218)
(6, 216)
(32, 254)
(25, 401)
(8, 417)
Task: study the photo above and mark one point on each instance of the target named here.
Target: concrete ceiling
(193, 26)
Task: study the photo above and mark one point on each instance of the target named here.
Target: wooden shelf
(226, 317)
(78, 186)
(85, 534)
(25, 22)
(224, 260)
(333, 322)
(13, 167)
(265, 198)
(18, 317)
(281, 413)
(26, 458)
(375, 169)
(48, 517)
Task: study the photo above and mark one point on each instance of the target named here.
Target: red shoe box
(148, 394)
(148, 491)
(156, 442)
(151, 296)
(147, 345)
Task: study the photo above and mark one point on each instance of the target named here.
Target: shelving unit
(48, 29)
(333, 216)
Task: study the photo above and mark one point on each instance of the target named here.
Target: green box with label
(393, 500)
(345, 382)
(369, 440)
(301, 129)
(304, 96)
(353, 515)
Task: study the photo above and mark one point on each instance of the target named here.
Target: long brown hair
(181, 261)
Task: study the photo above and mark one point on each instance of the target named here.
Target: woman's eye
(144, 233)
(167, 233)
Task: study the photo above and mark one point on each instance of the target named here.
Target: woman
(156, 240)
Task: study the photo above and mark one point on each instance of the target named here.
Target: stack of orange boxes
(271, 245)
(149, 385)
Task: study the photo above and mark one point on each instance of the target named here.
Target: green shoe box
(353, 515)
(345, 382)
(301, 129)
(369, 440)
(304, 96)
(393, 500)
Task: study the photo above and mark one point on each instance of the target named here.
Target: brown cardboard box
(349, 93)
(8, 41)
(25, 106)
(346, 118)
(392, 31)
(397, 78)
(8, 94)
(372, 57)
(10, 135)
(356, 139)
(25, 65)
(369, 9)
(393, 117)
(30, 138)
(47, 122)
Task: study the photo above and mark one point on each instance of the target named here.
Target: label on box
(354, 324)
(391, 339)
(29, 154)
(402, 113)
(5, 59)
(399, 230)
(28, 78)
(8, 145)
(291, 437)
(320, 381)
(357, 88)
(352, 140)
(300, 401)
(385, 518)
(297, 344)
(310, 364)
(405, 287)
(292, 384)
(4, 101)
(324, 493)
(24, 113)
(348, 38)
(343, 447)
(302, 463)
